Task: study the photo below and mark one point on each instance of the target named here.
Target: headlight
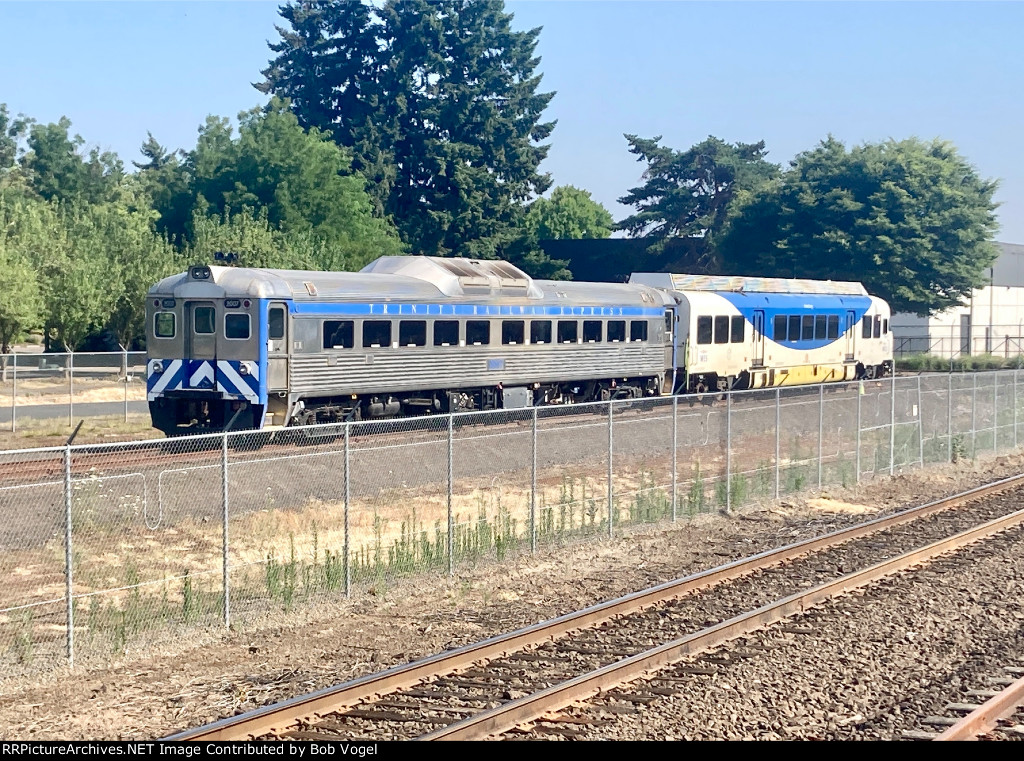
(158, 367)
(243, 369)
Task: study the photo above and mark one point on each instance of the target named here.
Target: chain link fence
(106, 548)
(38, 389)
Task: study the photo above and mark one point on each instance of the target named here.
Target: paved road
(81, 410)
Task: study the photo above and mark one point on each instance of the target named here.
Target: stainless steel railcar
(252, 348)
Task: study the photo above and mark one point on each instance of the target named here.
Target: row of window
(879, 326)
(721, 330)
(340, 334)
(806, 327)
(237, 325)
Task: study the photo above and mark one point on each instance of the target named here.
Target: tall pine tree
(438, 103)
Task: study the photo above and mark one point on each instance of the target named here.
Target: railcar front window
(878, 326)
(376, 334)
(638, 330)
(412, 333)
(885, 327)
(780, 327)
(163, 325)
(591, 331)
(540, 332)
(866, 327)
(703, 330)
(202, 320)
(446, 333)
(568, 330)
(738, 330)
(478, 332)
(616, 331)
(339, 334)
(236, 326)
(275, 326)
(833, 326)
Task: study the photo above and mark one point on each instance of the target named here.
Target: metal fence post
(949, 417)
(611, 487)
(224, 504)
(728, 450)
(920, 423)
(71, 387)
(14, 397)
(974, 415)
(347, 497)
(68, 567)
(126, 385)
(1014, 408)
(675, 459)
(451, 488)
(995, 412)
(892, 426)
(533, 486)
(821, 429)
(860, 393)
(778, 405)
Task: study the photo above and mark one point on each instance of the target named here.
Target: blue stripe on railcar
(264, 336)
(796, 304)
(466, 310)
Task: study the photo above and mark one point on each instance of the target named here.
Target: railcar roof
(682, 282)
(406, 278)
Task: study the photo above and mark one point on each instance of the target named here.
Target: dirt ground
(204, 676)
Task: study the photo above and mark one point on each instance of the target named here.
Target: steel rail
(527, 709)
(305, 708)
(983, 719)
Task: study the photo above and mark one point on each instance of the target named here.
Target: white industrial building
(991, 322)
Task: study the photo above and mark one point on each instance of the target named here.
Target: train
(244, 348)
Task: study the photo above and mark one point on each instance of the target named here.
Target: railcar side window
(591, 331)
(833, 326)
(376, 334)
(202, 320)
(275, 326)
(722, 330)
(739, 329)
(568, 331)
(780, 327)
(339, 334)
(878, 326)
(703, 330)
(513, 331)
(446, 332)
(412, 333)
(616, 331)
(807, 330)
(163, 324)
(820, 327)
(540, 332)
(885, 327)
(236, 326)
(866, 327)
(478, 333)
(638, 330)
(794, 327)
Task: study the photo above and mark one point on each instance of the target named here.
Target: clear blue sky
(787, 73)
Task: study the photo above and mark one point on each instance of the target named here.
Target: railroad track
(529, 677)
(995, 711)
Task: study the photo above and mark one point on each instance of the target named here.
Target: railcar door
(277, 347)
(758, 354)
(200, 345)
(670, 339)
(851, 336)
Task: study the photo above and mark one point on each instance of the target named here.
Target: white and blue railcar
(743, 332)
